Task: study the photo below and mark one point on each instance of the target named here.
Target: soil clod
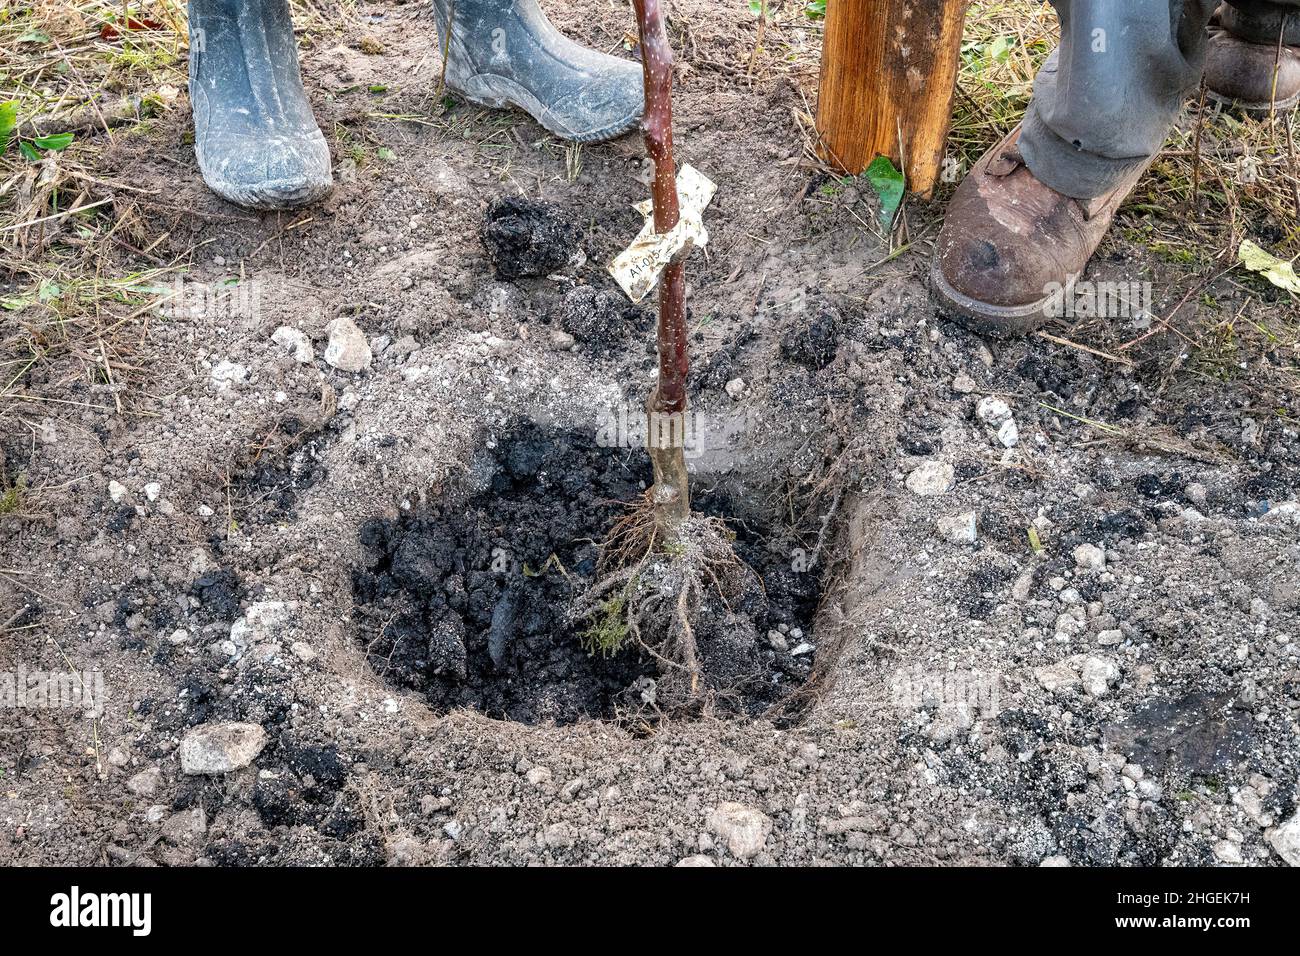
(527, 238)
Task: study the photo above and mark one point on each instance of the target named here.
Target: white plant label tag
(638, 267)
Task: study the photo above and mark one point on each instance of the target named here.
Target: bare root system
(651, 593)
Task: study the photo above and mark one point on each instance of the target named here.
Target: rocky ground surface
(1059, 593)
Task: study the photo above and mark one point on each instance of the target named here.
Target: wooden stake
(889, 69)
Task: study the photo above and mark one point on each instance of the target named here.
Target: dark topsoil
(470, 602)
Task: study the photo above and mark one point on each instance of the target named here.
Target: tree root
(657, 588)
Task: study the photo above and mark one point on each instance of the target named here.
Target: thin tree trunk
(666, 406)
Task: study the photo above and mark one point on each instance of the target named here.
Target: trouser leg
(1263, 21)
(1104, 101)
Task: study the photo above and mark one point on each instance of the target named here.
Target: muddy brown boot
(1244, 65)
(1011, 248)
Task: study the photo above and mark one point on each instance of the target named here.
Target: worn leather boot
(256, 140)
(506, 53)
(1012, 248)
(1244, 66)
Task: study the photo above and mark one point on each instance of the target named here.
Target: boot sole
(997, 321)
(499, 92)
(1255, 109)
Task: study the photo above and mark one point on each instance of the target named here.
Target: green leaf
(756, 7)
(386, 154)
(815, 9)
(34, 36)
(1277, 271)
(8, 120)
(54, 142)
(999, 50)
(29, 151)
(888, 184)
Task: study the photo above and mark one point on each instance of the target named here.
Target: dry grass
(71, 313)
(69, 318)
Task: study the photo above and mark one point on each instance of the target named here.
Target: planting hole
(469, 603)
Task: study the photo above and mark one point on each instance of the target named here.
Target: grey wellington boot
(506, 53)
(255, 137)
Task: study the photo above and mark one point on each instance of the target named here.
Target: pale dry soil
(982, 702)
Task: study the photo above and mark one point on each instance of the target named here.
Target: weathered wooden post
(889, 69)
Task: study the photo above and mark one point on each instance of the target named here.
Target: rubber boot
(256, 140)
(506, 53)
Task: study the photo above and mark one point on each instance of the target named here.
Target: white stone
(931, 478)
(1089, 557)
(303, 651)
(226, 375)
(1098, 676)
(1251, 802)
(959, 529)
(736, 388)
(743, 829)
(263, 621)
(152, 490)
(1148, 789)
(220, 748)
(185, 827)
(1285, 840)
(1009, 433)
(1056, 677)
(1227, 852)
(348, 350)
(1287, 513)
(1052, 861)
(562, 341)
(145, 783)
(801, 649)
(697, 860)
(297, 340)
(992, 411)
(116, 491)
